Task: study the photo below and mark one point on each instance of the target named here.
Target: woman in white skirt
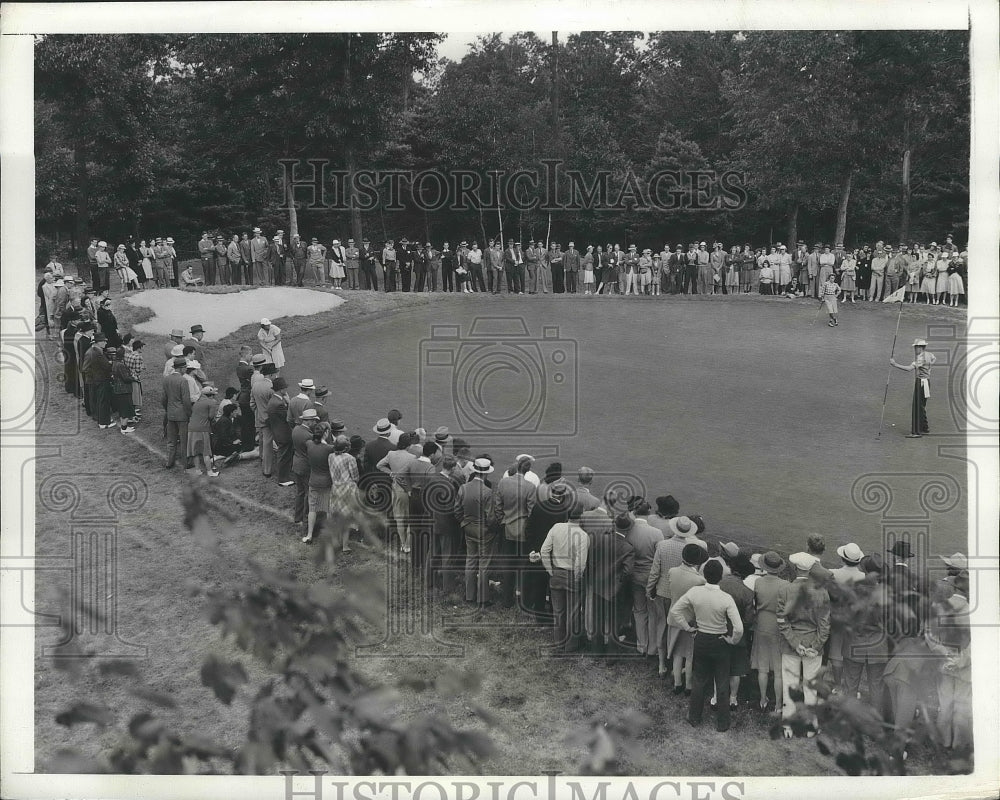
(928, 286)
(941, 264)
(588, 270)
(337, 273)
(956, 286)
(915, 275)
(848, 277)
(828, 295)
(146, 262)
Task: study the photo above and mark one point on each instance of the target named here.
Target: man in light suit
(259, 249)
(260, 395)
(476, 511)
(177, 410)
(515, 499)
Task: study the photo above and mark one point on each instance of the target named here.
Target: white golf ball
(894, 424)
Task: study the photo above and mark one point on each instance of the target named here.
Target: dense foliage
(840, 134)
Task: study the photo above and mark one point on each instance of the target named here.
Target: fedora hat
(772, 562)
(337, 425)
(382, 427)
(901, 549)
(623, 522)
(441, 434)
(309, 413)
(264, 322)
(177, 332)
(269, 368)
(279, 383)
(731, 549)
(851, 553)
(307, 383)
(682, 526)
(197, 329)
(321, 391)
(258, 358)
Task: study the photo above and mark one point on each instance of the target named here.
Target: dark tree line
(840, 135)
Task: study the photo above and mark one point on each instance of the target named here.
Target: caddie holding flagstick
(921, 367)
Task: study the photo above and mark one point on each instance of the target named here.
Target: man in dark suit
(439, 497)
(510, 259)
(676, 264)
(177, 410)
(415, 477)
(368, 265)
(405, 254)
(571, 266)
(194, 340)
(610, 562)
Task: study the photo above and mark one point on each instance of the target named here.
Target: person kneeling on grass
(828, 295)
(188, 278)
(226, 442)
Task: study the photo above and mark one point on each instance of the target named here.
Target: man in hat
(176, 338)
(571, 267)
(443, 438)
(532, 258)
(245, 374)
(206, 250)
(476, 510)
(609, 564)
(643, 538)
(177, 403)
(878, 266)
(299, 253)
(276, 260)
(515, 499)
(563, 553)
(223, 275)
(259, 249)
(812, 270)
(717, 261)
(369, 266)
(194, 340)
(177, 351)
(199, 438)
(390, 262)
(301, 436)
(269, 337)
(803, 617)
(583, 498)
(352, 257)
(712, 614)
(404, 263)
(921, 369)
(260, 395)
(320, 399)
(448, 265)
(301, 401)
(433, 258)
(376, 449)
(281, 430)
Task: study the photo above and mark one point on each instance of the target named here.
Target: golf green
(750, 411)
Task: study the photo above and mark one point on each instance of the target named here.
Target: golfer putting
(921, 367)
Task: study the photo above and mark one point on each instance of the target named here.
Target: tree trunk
(349, 159)
(293, 214)
(904, 220)
(793, 228)
(845, 197)
(482, 227)
(81, 226)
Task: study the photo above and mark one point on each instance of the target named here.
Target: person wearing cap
(370, 267)
(563, 554)
(177, 402)
(766, 648)
(337, 260)
(102, 272)
(571, 267)
(301, 435)
(644, 539)
(259, 249)
(269, 337)
(476, 511)
(515, 498)
(316, 258)
(320, 398)
(841, 601)
(121, 389)
(281, 430)
(803, 616)
(260, 395)
(301, 401)
(509, 261)
(206, 250)
(610, 561)
(199, 442)
(921, 369)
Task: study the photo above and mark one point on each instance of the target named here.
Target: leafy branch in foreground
(313, 709)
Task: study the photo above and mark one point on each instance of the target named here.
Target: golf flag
(897, 296)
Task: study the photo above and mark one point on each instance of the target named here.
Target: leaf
(145, 727)
(223, 677)
(81, 713)
(67, 761)
(157, 698)
(127, 669)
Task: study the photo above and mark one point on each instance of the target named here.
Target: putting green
(744, 409)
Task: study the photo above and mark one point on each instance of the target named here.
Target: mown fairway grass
(746, 413)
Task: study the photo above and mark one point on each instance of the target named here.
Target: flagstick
(892, 354)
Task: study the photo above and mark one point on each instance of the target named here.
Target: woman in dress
(680, 643)
(863, 280)
(733, 270)
(344, 476)
(269, 337)
(108, 323)
(848, 277)
(915, 275)
(337, 273)
(956, 286)
(828, 294)
(941, 264)
(928, 286)
(318, 452)
(587, 267)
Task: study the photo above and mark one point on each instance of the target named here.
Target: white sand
(221, 314)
